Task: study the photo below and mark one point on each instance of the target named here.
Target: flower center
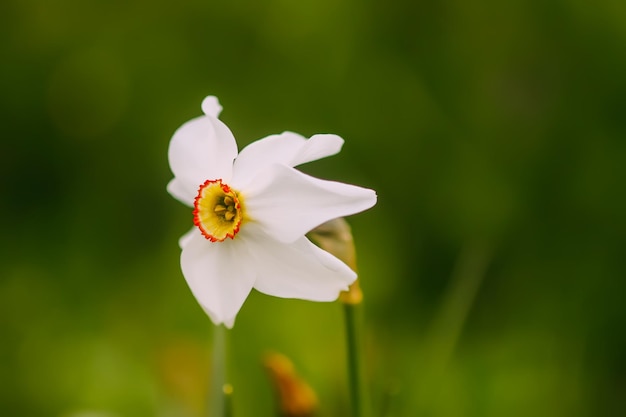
(218, 211)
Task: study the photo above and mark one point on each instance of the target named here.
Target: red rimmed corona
(218, 211)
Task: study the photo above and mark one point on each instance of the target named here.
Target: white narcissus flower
(251, 211)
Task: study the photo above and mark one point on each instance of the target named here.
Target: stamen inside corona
(218, 211)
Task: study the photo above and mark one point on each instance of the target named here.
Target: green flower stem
(227, 391)
(457, 301)
(217, 400)
(355, 370)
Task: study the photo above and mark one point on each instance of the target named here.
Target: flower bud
(335, 237)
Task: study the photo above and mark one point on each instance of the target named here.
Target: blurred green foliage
(493, 265)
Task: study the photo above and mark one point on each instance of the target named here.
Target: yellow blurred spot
(295, 397)
(182, 366)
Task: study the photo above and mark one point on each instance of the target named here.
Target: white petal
(182, 191)
(211, 106)
(202, 149)
(287, 203)
(288, 148)
(217, 276)
(186, 238)
(317, 147)
(299, 270)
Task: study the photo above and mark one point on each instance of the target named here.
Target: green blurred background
(493, 265)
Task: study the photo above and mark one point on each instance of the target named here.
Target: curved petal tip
(211, 106)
